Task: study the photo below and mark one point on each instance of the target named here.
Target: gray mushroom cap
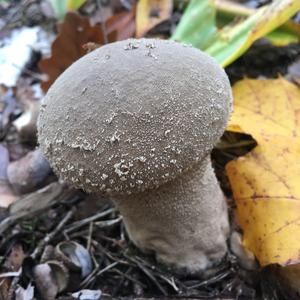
(133, 115)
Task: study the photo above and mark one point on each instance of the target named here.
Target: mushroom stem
(184, 221)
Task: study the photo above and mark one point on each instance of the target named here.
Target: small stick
(146, 271)
(130, 277)
(107, 268)
(51, 235)
(89, 241)
(86, 221)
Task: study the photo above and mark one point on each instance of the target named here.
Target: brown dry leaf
(265, 182)
(150, 13)
(123, 24)
(15, 259)
(74, 33)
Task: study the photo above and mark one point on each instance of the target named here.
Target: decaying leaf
(150, 13)
(15, 259)
(74, 33)
(123, 24)
(51, 278)
(265, 182)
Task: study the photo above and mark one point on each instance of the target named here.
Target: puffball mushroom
(137, 119)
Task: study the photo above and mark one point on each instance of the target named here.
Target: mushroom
(137, 119)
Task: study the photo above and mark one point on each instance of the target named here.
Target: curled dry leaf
(150, 13)
(265, 182)
(51, 278)
(26, 123)
(75, 257)
(74, 33)
(15, 259)
(29, 172)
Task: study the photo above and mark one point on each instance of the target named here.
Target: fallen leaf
(74, 4)
(74, 33)
(88, 295)
(198, 27)
(150, 13)
(265, 182)
(123, 24)
(28, 173)
(35, 203)
(51, 278)
(15, 259)
(75, 256)
(25, 294)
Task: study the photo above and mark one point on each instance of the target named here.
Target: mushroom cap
(133, 115)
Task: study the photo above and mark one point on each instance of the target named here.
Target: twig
(211, 280)
(151, 277)
(89, 278)
(10, 274)
(86, 221)
(107, 268)
(171, 282)
(91, 227)
(52, 234)
(108, 223)
(130, 277)
(106, 253)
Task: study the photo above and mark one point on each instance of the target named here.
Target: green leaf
(280, 37)
(198, 24)
(232, 41)
(229, 43)
(61, 7)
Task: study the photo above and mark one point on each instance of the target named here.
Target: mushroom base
(185, 222)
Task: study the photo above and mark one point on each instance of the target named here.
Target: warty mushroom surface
(137, 120)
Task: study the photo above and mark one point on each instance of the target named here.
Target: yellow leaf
(266, 107)
(233, 41)
(265, 182)
(74, 4)
(150, 13)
